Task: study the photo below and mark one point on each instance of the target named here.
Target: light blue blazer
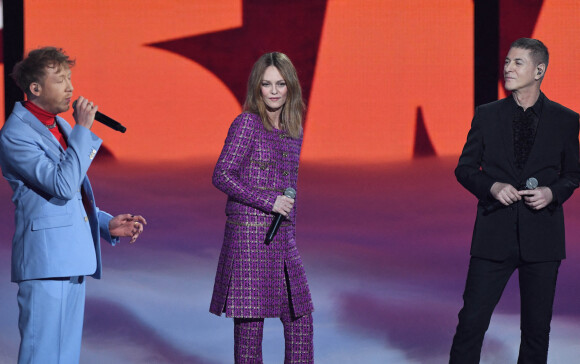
(54, 235)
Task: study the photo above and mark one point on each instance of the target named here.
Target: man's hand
(505, 193)
(127, 225)
(537, 198)
(84, 112)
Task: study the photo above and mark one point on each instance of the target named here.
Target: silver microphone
(531, 183)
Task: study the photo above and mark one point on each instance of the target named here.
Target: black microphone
(531, 184)
(104, 119)
(290, 192)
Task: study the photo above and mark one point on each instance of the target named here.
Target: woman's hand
(283, 205)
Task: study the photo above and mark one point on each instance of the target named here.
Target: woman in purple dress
(259, 161)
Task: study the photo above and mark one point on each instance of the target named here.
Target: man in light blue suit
(58, 226)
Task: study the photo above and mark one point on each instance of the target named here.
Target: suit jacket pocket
(48, 222)
(263, 165)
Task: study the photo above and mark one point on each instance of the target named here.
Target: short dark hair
(538, 50)
(33, 68)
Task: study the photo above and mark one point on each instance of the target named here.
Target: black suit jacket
(488, 157)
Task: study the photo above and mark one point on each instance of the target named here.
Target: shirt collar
(537, 107)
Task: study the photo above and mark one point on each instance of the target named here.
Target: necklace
(51, 126)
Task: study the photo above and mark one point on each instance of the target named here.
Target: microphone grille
(531, 183)
(290, 192)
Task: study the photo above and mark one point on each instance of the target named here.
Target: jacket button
(86, 218)
(284, 154)
(285, 173)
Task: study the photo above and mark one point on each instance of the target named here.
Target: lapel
(54, 146)
(56, 150)
(64, 129)
(505, 116)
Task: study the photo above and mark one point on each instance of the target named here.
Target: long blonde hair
(292, 113)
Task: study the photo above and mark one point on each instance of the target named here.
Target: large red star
(291, 27)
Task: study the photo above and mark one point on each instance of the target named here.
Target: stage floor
(385, 247)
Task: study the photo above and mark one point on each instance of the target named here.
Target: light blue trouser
(51, 320)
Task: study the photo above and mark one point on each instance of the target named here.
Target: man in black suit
(513, 142)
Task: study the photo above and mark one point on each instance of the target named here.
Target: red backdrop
(377, 61)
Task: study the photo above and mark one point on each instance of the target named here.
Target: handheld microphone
(289, 192)
(104, 119)
(531, 184)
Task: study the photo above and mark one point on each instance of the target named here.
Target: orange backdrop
(378, 61)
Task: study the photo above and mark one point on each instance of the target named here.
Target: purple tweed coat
(255, 167)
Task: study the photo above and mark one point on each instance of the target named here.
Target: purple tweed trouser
(298, 337)
(298, 334)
